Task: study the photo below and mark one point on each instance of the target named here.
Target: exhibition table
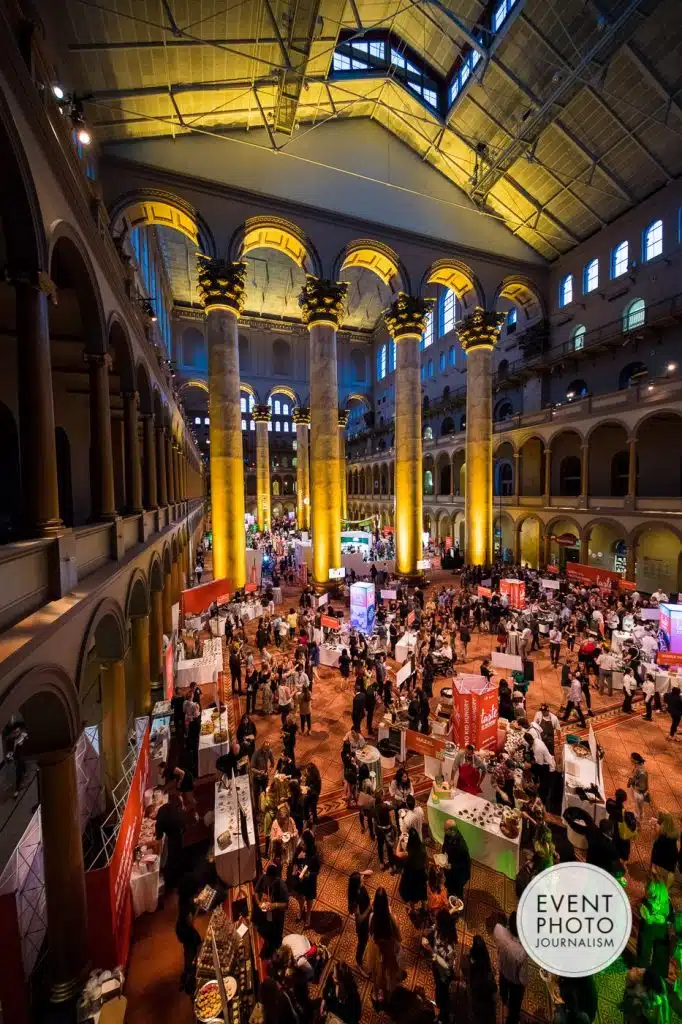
(192, 622)
(618, 638)
(213, 647)
(217, 624)
(404, 647)
(145, 883)
(370, 756)
(199, 671)
(237, 862)
(485, 843)
(277, 595)
(581, 772)
(209, 750)
(330, 655)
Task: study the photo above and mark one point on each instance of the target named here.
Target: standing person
(14, 743)
(623, 824)
(289, 731)
(235, 663)
(543, 763)
(665, 851)
(170, 822)
(638, 783)
(513, 963)
(359, 905)
(186, 933)
(370, 706)
(441, 943)
(465, 640)
(629, 688)
(269, 912)
(350, 773)
(606, 663)
(178, 709)
(554, 645)
(481, 986)
(262, 763)
(384, 830)
(193, 733)
(575, 700)
(383, 950)
(312, 780)
(411, 853)
(305, 869)
(673, 701)
(649, 691)
(304, 706)
(252, 683)
(458, 871)
(283, 700)
(344, 663)
(341, 998)
(358, 709)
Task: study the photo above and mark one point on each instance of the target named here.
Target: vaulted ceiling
(572, 116)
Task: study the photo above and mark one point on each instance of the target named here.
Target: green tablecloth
(486, 846)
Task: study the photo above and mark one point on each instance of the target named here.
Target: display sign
(484, 591)
(420, 743)
(628, 585)
(424, 563)
(668, 658)
(670, 629)
(337, 574)
(362, 607)
(169, 672)
(515, 591)
(198, 599)
(404, 672)
(549, 584)
(329, 622)
(574, 919)
(389, 595)
(593, 575)
(110, 912)
(474, 712)
(250, 588)
(322, 600)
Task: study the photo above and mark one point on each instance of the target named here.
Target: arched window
(631, 375)
(504, 479)
(652, 241)
(244, 355)
(430, 368)
(452, 355)
(590, 276)
(427, 336)
(428, 433)
(449, 313)
(503, 368)
(620, 473)
(441, 361)
(634, 315)
(194, 349)
(569, 476)
(504, 411)
(428, 482)
(576, 389)
(358, 366)
(578, 337)
(566, 290)
(619, 259)
(281, 358)
(381, 362)
(391, 356)
(275, 488)
(512, 320)
(447, 426)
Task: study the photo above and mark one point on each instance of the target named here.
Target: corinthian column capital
(261, 413)
(406, 316)
(343, 417)
(481, 329)
(322, 301)
(221, 283)
(301, 414)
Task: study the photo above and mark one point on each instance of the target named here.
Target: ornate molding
(481, 329)
(406, 316)
(344, 415)
(221, 283)
(322, 301)
(301, 414)
(261, 413)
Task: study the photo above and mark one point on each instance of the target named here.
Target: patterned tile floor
(156, 956)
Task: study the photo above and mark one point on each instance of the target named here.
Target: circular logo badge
(574, 919)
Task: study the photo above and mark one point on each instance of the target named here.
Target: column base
(65, 991)
(49, 528)
(411, 579)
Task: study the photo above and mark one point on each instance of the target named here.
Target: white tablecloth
(330, 656)
(618, 638)
(370, 756)
(212, 648)
(238, 862)
(208, 750)
(404, 647)
(198, 670)
(486, 844)
(277, 595)
(581, 772)
(250, 610)
(144, 886)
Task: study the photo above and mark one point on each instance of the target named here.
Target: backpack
(627, 828)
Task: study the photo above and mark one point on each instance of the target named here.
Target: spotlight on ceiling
(671, 367)
(650, 387)
(58, 92)
(84, 137)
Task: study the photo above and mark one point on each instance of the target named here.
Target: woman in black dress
(412, 888)
(304, 871)
(359, 905)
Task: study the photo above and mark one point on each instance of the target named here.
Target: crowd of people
(275, 667)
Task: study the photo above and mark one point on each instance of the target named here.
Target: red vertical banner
(474, 712)
(486, 720)
(515, 591)
(169, 672)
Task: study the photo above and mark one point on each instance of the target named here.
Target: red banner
(448, 543)
(169, 672)
(420, 743)
(474, 715)
(593, 575)
(483, 591)
(110, 910)
(668, 658)
(330, 622)
(198, 599)
(627, 585)
(515, 591)
(250, 587)
(410, 618)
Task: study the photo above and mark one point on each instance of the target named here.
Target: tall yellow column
(322, 306)
(478, 335)
(114, 719)
(343, 423)
(406, 321)
(222, 288)
(150, 488)
(262, 417)
(64, 870)
(140, 652)
(167, 604)
(162, 481)
(102, 456)
(131, 402)
(156, 635)
(302, 421)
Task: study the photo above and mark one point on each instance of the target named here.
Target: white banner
(389, 595)
(403, 673)
(549, 584)
(322, 600)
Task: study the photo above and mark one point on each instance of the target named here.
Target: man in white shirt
(606, 663)
(545, 720)
(649, 645)
(575, 702)
(413, 816)
(544, 763)
(659, 597)
(629, 687)
(649, 689)
(554, 645)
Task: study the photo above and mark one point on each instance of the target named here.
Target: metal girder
(301, 16)
(535, 124)
(596, 95)
(631, 51)
(157, 44)
(461, 27)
